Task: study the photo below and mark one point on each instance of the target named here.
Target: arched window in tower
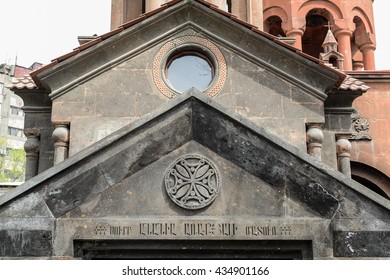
(315, 31)
(273, 25)
(357, 40)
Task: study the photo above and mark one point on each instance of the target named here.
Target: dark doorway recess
(193, 249)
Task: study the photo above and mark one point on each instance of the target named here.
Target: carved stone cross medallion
(192, 182)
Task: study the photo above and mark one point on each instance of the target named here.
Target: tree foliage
(12, 164)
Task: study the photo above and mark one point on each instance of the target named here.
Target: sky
(41, 30)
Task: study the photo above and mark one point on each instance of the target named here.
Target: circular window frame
(186, 45)
(190, 50)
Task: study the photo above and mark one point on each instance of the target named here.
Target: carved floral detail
(361, 126)
(192, 182)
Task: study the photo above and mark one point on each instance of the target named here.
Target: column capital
(343, 149)
(61, 134)
(314, 139)
(314, 133)
(32, 132)
(343, 32)
(295, 32)
(32, 149)
(367, 47)
(343, 145)
(365, 38)
(31, 146)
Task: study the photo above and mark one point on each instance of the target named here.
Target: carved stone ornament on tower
(331, 55)
(360, 126)
(192, 182)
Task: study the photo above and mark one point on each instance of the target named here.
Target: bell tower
(125, 10)
(352, 25)
(302, 20)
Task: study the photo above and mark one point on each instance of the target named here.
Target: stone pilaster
(61, 135)
(31, 147)
(366, 43)
(343, 148)
(368, 56)
(314, 139)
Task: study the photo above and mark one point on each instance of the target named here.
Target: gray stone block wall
(125, 137)
(115, 191)
(127, 92)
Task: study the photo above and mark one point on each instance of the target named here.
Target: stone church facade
(190, 127)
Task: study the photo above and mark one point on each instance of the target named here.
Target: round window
(189, 69)
(186, 62)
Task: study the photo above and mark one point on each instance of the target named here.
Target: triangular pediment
(147, 193)
(193, 117)
(146, 162)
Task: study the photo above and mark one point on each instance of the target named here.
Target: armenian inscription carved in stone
(159, 229)
(113, 230)
(192, 182)
(210, 229)
(193, 229)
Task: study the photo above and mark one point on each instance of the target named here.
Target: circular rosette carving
(192, 182)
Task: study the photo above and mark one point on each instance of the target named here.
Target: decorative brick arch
(316, 19)
(364, 42)
(279, 12)
(329, 6)
(358, 12)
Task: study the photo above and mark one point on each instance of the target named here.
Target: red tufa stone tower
(126, 10)
(352, 23)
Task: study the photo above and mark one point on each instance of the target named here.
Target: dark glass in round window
(189, 70)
